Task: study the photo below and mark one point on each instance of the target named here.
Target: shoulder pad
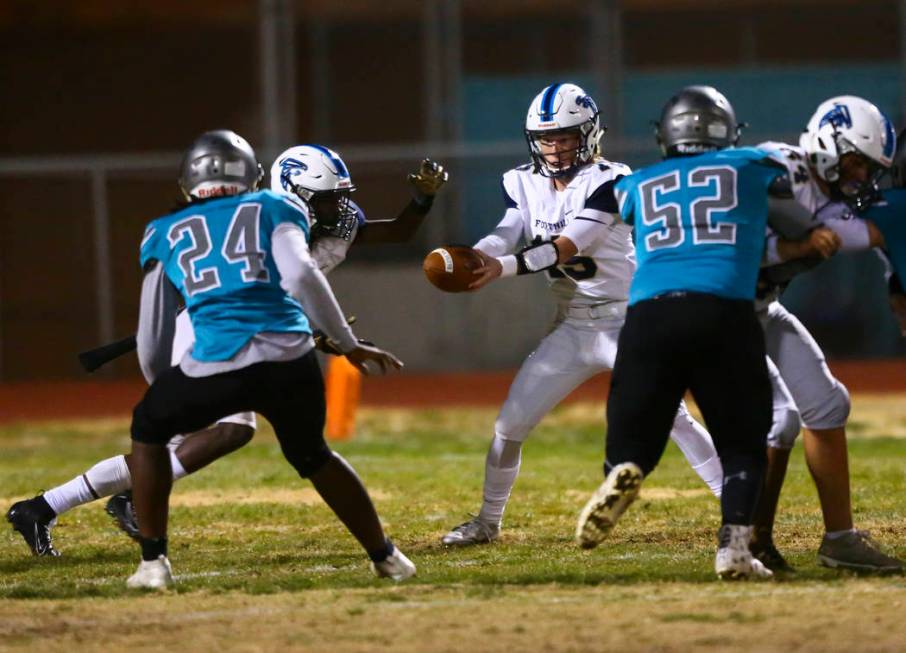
(784, 153)
(781, 187)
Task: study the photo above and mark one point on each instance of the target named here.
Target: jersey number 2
(667, 216)
(240, 246)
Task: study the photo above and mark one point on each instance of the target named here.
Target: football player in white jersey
(562, 206)
(318, 177)
(847, 144)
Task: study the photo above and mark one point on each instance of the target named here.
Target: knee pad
(785, 428)
(831, 413)
(145, 429)
(308, 462)
(514, 428)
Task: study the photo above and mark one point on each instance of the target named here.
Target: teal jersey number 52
(699, 222)
(217, 254)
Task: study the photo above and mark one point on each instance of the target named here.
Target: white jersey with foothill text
(586, 212)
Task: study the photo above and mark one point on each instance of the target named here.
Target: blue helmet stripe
(890, 138)
(547, 102)
(341, 167)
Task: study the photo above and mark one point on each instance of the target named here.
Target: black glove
(325, 344)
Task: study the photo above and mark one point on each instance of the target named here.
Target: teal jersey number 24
(217, 254)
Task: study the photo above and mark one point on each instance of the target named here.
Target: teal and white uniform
(699, 223)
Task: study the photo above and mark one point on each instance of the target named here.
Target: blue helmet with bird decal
(849, 125)
(559, 109)
(317, 176)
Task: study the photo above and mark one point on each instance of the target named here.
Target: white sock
(178, 470)
(698, 448)
(108, 477)
(497, 486)
(833, 535)
(69, 495)
(498, 480)
(712, 473)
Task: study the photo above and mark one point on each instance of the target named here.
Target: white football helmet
(847, 124)
(318, 177)
(559, 108)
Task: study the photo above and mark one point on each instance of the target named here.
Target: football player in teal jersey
(238, 258)
(318, 178)
(700, 218)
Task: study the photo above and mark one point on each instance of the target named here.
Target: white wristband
(510, 265)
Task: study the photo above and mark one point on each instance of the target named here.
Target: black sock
(739, 496)
(153, 547)
(382, 554)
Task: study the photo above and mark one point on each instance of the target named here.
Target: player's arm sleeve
(786, 216)
(301, 278)
(595, 221)
(853, 232)
(400, 229)
(158, 306)
(506, 237)
(329, 252)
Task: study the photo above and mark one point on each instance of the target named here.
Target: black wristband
(423, 203)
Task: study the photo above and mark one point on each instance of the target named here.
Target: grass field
(263, 565)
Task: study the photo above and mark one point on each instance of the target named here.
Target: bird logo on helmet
(317, 176)
(847, 124)
(219, 163)
(695, 120)
(558, 109)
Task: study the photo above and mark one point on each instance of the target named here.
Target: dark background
(100, 97)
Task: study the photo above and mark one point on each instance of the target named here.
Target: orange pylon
(344, 385)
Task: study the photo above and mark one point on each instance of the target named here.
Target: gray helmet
(695, 120)
(219, 162)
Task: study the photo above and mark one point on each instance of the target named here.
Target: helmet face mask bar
(331, 211)
(557, 111)
(858, 193)
(317, 176)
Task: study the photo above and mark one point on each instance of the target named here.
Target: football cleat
(610, 500)
(734, 561)
(770, 557)
(33, 521)
(856, 551)
(121, 508)
(474, 531)
(152, 574)
(396, 566)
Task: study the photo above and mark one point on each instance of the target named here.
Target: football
(451, 268)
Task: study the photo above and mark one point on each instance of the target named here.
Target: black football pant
(289, 394)
(713, 347)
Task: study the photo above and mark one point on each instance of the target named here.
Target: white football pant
(574, 351)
